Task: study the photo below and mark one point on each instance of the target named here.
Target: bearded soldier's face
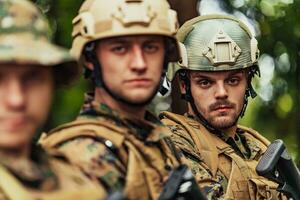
(219, 96)
(25, 99)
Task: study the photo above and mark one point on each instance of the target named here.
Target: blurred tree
(277, 110)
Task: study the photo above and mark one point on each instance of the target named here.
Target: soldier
(219, 61)
(29, 69)
(125, 46)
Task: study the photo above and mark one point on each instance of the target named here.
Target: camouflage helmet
(24, 39)
(100, 19)
(215, 43)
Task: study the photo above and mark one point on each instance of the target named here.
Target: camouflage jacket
(224, 167)
(43, 177)
(122, 153)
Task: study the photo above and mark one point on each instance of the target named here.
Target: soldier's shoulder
(171, 118)
(253, 135)
(98, 159)
(97, 130)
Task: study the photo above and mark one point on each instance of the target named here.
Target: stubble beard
(223, 121)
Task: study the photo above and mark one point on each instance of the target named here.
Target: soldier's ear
(182, 86)
(88, 64)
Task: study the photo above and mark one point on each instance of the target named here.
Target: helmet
(24, 39)
(215, 43)
(99, 19)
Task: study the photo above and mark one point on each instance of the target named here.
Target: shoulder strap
(200, 136)
(11, 186)
(83, 127)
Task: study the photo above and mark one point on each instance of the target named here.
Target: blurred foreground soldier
(125, 47)
(29, 65)
(219, 61)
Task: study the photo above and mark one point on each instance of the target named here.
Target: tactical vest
(243, 181)
(72, 185)
(147, 166)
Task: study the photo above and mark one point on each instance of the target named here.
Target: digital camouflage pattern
(122, 153)
(43, 178)
(24, 39)
(224, 167)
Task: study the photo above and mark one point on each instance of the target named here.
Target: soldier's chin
(140, 102)
(14, 143)
(223, 124)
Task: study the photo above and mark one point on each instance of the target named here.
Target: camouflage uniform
(44, 178)
(118, 151)
(223, 166)
(121, 152)
(24, 41)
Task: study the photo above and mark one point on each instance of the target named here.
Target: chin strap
(250, 92)
(96, 73)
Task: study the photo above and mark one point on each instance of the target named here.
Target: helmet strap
(162, 89)
(250, 92)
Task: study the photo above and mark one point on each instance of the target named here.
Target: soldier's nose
(138, 62)
(15, 95)
(221, 91)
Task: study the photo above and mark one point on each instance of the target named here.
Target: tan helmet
(215, 43)
(99, 19)
(24, 39)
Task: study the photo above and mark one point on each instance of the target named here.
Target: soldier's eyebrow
(116, 41)
(200, 76)
(153, 39)
(125, 40)
(236, 73)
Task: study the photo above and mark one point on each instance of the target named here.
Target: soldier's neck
(131, 111)
(230, 132)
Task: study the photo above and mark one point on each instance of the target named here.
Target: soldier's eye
(151, 48)
(119, 49)
(31, 76)
(233, 81)
(204, 83)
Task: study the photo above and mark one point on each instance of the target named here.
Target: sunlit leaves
(284, 105)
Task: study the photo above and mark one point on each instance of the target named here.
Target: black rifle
(181, 185)
(277, 165)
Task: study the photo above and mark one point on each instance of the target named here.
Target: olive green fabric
(24, 39)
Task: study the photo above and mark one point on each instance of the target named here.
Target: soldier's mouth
(222, 109)
(139, 82)
(13, 124)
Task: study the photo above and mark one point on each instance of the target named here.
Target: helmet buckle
(134, 12)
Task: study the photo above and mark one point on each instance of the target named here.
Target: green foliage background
(278, 117)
